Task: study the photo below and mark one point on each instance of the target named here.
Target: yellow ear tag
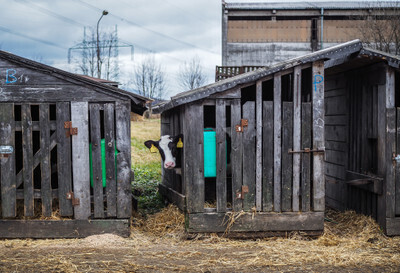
(179, 144)
(153, 149)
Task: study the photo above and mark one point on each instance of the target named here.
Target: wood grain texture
(277, 142)
(220, 116)
(45, 162)
(27, 149)
(296, 137)
(287, 159)
(306, 124)
(259, 168)
(236, 154)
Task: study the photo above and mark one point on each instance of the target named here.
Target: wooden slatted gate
(50, 164)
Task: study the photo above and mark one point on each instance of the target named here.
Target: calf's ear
(176, 138)
(149, 143)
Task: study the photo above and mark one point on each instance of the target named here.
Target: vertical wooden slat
(259, 145)
(318, 135)
(80, 159)
(27, 149)
(287, 159)
(220, 115)
(109, 138)
(277, 142)
(249, 155)
(194, 157)
(236, 154)
(8, 178)
(123, 142)
(306, 157)
(95, 139)
(390, 143)
(397, 180)
(64, 168)
(296, 137)
(45, 162)
(268, 155)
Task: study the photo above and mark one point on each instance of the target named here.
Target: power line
(147, 29)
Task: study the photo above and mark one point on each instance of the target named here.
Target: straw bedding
(350, 243)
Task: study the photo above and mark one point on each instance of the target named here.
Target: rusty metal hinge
(71, 131)
(70, 196)
(240, 194)
(307, 150)
(243, 123)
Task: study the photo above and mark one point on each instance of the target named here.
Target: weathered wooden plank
(287, 159)
(390, 167)
(7, 174)
(393, 226)
(123, 142)
(277, 142)
(194, 157)
(35, 125)
(258, 181)
(80, 159)
(173, 196)
(64, 167)
(336, 133)
(318, 130)
(263, 221)
(296, 137)
(268, 155)
(236, 154)
(45, 162)
(109, 138)
(249, 156)
(306, 124)
(41, 229)
(397, 174)
(220, 116)
(27, 149)
(95, 139)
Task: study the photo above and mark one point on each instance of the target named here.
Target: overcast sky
(174, 31)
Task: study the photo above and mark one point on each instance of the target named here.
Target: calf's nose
(169, 165)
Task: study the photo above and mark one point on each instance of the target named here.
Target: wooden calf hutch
(65, 151)
(277, 132)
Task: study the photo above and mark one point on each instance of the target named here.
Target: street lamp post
(98, 46)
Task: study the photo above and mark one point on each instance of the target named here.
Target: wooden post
(27, 149)
(194, 157)
(8, 179)
(296, 137)
(123, 142)
(249, 154)
(287, 158)
(64, 159)
(236, 154)
(259, 145)
(97, 177)
(268, 155)
(109, 138)
(45, 162)
(80, 159)
(220, 116)
(277, 141)
(397, 175)
(306, 124)
(318, 135)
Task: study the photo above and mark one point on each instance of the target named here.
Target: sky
(172, 31)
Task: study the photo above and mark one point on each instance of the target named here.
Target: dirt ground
(351, 243)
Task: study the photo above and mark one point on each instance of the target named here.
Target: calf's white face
(167, 146)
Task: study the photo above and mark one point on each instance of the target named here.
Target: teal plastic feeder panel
(210, 153)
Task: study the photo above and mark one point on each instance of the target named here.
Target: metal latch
(75, 201)
(307, 150)
(243, 123)
(5, 151)
(240, 194)
(71, 131)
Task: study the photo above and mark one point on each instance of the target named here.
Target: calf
(168, 148)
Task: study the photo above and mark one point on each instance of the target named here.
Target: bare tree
(380, 29)
(191, 74)
(149, 79)
(86, 63)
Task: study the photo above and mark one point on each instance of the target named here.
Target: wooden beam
(45, 164)
(236, 154)
(277, 142)
(259, 109)
(318, 130)
(80, 159)
(42, 229)
(220, 116)
(173, 196)
(296, 137)
(268, 155)
(287, 158)
(249, 154)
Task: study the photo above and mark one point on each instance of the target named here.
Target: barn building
(65, 151)
(273, 145)
(262, 34)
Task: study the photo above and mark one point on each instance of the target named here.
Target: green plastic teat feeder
(103, 163)
(210, 153)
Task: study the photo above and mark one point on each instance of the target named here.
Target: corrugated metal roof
(312, 5)
(338, 52)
